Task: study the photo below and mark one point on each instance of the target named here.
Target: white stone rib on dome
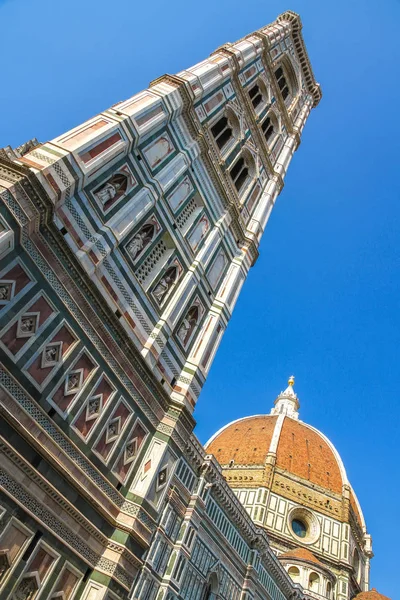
(335, 452)
(275, 442)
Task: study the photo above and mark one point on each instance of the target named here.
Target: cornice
(25, 416)
(43, 511)
(313, 87)
(335, 565)
(277, 92)
(325, 569)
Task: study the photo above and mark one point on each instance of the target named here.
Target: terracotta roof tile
(371, 595)
(301, 451)
(305, 453)
(301, 554)
(246, 442)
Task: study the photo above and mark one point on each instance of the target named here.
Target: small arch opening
(313, 582)
(294, 574)
(211, 588)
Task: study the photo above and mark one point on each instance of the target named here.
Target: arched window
(211, 588)
(313, 582)
(256, 96)
(239, 173)
(207, 592)
(287, 80)
(329, 590)
(282, 82)
(226, 128)
(222, 132)
(267, 128)
(243, 171)
(294, 574)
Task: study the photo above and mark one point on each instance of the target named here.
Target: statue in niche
(51, 354)
(26, 589)
(28, 325)
(165, 284)
(73, 381)
(5, 291)
(142, 239)
(188, 324)
(112, 189)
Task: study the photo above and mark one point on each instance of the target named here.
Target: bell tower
(124, 245)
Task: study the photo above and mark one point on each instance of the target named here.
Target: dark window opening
(241, 179)
(255, 96)
(219, 126)
(267, 128)
(299, 528)
(237, 168)
(222, 132)
(282, 83)
(239, 173)
(32, 545)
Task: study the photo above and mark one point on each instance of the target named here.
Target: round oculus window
(303, 524)
(299, 528)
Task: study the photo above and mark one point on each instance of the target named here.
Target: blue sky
(323, 299)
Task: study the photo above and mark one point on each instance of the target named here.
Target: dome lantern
(287, 403)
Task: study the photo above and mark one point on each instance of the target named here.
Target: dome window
(299, 528)
(303, 525)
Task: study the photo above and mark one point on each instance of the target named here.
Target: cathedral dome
(299, 448)
(293, 447)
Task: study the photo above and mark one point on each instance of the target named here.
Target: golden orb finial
(291, 380)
